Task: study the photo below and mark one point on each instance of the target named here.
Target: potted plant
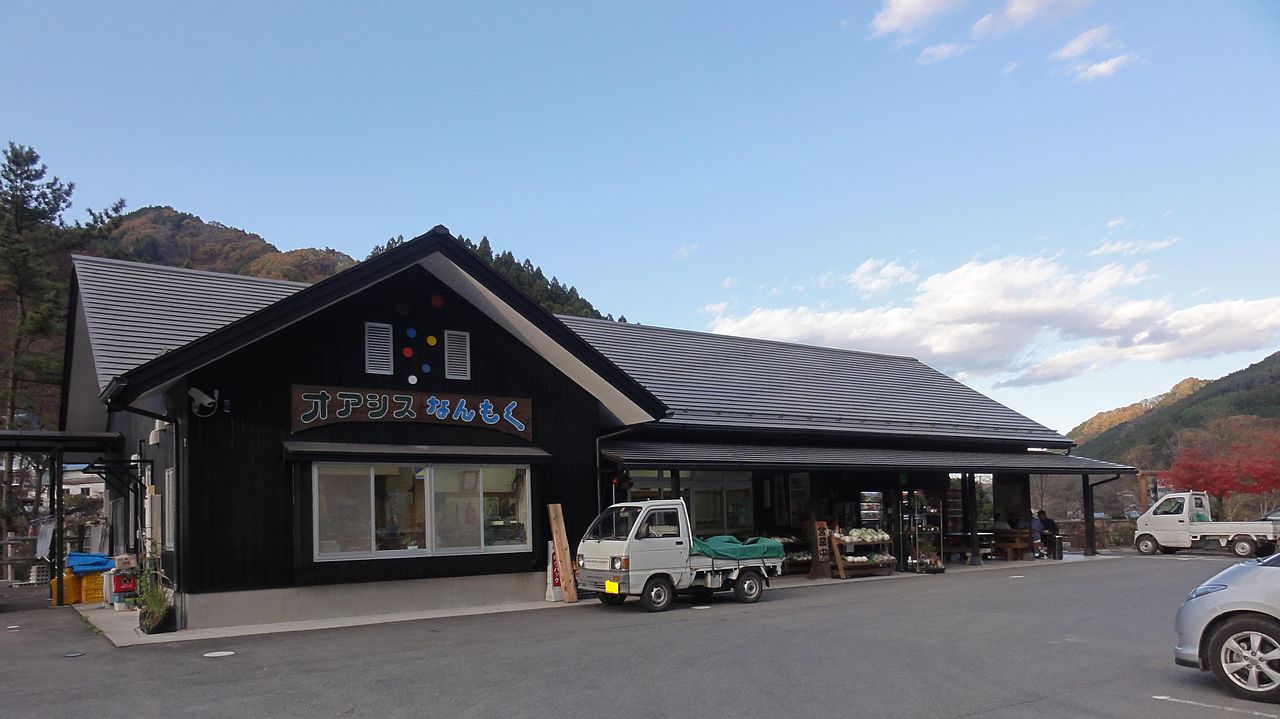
(156, 613)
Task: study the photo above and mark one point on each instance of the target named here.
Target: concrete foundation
(266, 606)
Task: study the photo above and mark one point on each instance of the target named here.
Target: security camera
(202, 400)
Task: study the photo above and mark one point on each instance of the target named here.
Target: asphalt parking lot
(1026, 639)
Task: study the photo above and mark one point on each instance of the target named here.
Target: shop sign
(318, 406)
(821, 567)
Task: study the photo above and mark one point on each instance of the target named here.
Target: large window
(385, 511)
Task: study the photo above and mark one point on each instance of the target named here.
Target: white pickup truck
(1182, 521)
(646, 549)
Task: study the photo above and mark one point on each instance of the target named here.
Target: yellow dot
(431, 340)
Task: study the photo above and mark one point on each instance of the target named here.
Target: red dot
(437, 301)
(407, 351)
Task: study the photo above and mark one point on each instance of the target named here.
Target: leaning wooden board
(561, 542)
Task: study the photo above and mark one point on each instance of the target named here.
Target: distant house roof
(136, 312)
(712, 380)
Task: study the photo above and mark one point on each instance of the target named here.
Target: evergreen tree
(35, 243)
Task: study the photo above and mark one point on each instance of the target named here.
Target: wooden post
(561, 542)
(1090, 531)
(821, 538)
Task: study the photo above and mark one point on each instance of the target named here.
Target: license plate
(610, 586)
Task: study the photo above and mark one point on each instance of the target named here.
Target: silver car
(1230, 625)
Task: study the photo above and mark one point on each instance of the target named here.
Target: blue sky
(1068, 205)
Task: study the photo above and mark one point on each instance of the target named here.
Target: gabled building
(409, 418)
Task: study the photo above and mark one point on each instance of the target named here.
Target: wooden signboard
(561, 542)
(821, 543)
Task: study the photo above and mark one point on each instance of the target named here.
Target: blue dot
(411, 332)
(426, 368)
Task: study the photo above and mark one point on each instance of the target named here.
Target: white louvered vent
(457, 355)
(377, 348)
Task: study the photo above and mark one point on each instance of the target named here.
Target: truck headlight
(618, 564)
(582, 561)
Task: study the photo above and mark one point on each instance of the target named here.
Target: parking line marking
(1215, 706)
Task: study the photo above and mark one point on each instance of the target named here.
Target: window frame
(430, 548)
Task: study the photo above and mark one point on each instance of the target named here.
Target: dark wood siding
(249, 507)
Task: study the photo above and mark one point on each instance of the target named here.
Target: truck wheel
(1238, 654)
(657, 594)
(1147, 544)
(1243, 547)
(748, 587)
(612, 600)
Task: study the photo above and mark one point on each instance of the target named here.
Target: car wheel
(1147, 544)
(1244, 654)
(612, 600)
(657, 594)
(748, 587)
(1243, 547)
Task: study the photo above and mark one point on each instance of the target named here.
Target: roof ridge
(153, 266)
(785, 343)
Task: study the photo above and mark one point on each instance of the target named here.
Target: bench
(1013, 543)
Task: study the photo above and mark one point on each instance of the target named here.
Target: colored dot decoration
(411, 332)
(426, 368)
(413, 379)
(437, 301)
(431, 340)
(407, 351)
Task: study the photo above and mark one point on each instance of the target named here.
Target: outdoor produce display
(863, 536)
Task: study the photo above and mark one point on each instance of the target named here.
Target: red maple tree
(1229, 456)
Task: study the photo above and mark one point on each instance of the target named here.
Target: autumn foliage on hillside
(1235, 459)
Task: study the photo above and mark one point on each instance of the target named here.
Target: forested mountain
(1103, 421)
(165, 236)
(1149, 440)
(550, 294)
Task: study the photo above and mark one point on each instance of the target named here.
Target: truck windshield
(615, 523)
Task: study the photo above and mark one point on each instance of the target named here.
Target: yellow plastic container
(70, 589)
(91, 588)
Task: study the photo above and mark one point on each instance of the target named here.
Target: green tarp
(726, 547)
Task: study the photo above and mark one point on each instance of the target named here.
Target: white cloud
(874, 276)
(995, 317)
(1084, 72)
(715, 308)
(1017, 14)
(684, 251)
(1010, 67)
(728, 282)
(1134, 247)
(824, 280)
(1115, 223)
(1098, 37)
(938, 53)
(909, 18)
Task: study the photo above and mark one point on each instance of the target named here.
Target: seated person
(1037, 529)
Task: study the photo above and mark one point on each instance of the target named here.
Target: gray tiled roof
(715, 380)
(136, 312)
(641, 454)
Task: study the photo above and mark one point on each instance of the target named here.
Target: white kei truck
(647, 549)
(1182, 521)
